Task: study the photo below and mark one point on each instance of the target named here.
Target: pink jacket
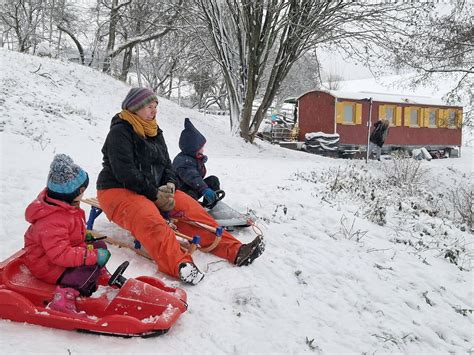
(56, 238)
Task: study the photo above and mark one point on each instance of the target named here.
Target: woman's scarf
(140, 126)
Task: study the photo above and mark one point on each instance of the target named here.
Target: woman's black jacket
(135, 163)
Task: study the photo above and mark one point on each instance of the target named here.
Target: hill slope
(335, 277)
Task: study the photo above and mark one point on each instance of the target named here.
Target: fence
(280, 134)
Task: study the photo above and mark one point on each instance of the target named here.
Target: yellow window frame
(426, 117)
(407, 116)
(356, 112)
(442, 118)
(457, 118)
(397, 114)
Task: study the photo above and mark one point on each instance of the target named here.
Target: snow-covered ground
(355, 261)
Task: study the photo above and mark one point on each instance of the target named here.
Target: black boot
(249, 252)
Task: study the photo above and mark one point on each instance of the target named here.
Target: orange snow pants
(141, 217)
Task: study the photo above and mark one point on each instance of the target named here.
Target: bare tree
(202, 81)
(142, 22)
(303, 76)
(438, 45)
(207, 82)
(332, 81)
(79, 47)
(39, 24)
(166, 61)
(115, 8)
(244, 33)
(22, 17)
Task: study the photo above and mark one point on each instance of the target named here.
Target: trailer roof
(384, 97)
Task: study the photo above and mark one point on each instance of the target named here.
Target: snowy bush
(429, 221)
(405, 173)
(376, 212)
(348, 231)
(462, 200)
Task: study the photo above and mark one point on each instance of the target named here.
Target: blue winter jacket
(190, 169)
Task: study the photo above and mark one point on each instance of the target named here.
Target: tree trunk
(76, 42)
(126, 64)
(112, 31)
(170, 86)
(137, 66)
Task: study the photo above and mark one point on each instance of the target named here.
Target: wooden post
(369, 124)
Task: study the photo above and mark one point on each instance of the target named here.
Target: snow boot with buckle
(64, 300)
(190, 274)
(249, 252)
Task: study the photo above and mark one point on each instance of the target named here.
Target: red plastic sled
(143, 306)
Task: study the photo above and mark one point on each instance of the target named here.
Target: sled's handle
(220, 194)
(117, 279)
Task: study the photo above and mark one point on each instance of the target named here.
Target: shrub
(462, 200)
(405, 173)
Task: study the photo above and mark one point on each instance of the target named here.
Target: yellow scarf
(140, 126)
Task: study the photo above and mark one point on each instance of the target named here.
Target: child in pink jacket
(55, 243)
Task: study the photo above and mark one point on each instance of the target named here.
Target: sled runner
(227, 217)
(142, 306)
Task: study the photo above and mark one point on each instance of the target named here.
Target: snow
(392, 88)
(109, 292)
(353, 262)
(386, 97)
(166, 315)
(327, 136)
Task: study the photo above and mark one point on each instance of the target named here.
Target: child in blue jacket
(190, 168)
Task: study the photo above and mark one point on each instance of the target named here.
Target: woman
(377, 138)
(137, 182)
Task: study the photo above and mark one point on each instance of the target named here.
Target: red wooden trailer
(415, 121)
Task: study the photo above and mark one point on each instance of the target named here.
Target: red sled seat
(143, 306)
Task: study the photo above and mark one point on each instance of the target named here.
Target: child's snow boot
(249, 252)
(64, 300)
(190, 274)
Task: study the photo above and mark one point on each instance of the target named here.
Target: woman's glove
(171, 187)
(103, 256)
(209, 195)
(165, 198)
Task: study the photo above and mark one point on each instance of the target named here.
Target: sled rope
(216, 230)
(256, 229)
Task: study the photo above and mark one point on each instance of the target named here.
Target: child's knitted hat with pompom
(65, 179)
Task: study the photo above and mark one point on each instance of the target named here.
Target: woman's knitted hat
(138, 98)
(65, 179)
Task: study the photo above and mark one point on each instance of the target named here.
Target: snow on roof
(384, 97)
